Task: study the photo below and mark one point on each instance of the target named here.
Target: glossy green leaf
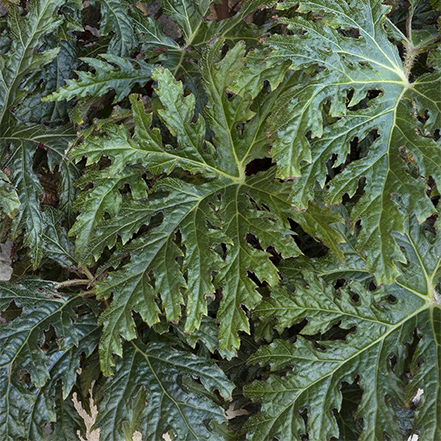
(104, 197)
(27, 405)
(161, 383)
(22, 57)
(57, 244)
(50, 78)
(115, 19)
(384, 321)
(8, 197)
(24, 140)
(195, 201)
(350, 67)
(107, 77)
(226, 209)
(20, 60)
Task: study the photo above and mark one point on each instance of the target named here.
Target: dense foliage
(238, 213)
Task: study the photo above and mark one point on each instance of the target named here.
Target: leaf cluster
(216, 207)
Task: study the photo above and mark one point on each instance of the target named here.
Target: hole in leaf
(355, 298)
(253, 241)
(347, 419)
(304, 414)
(275, 257)
(393, 361)
(10, 313)
(292, 332)
(307, 244)
(240, 127)
(372, 286)
(349, 32)
(391, 299)
(332, 334)
(258, 165)
(255, 279)
(339, 283)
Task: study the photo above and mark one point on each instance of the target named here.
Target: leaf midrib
(24, 56)
(164, 391)
(356, 25)
(356, 354)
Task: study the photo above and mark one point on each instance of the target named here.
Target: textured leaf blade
(105, 197)
(167, 404)
(115, 19)
(121, 79)
(25, 409)
(57, 244)
(187, 14)
(22, 58)
(29, 190)
(8, 196)
(23, 139)
(381, 329)
(368, 62)
(51, 77)
(192, 219)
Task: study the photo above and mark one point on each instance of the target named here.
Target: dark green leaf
(154, 389)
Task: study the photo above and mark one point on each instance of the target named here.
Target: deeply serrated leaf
(107, 77)
(104, 197)
(381, 330)
(51, 77)
(26, 409)
(158, 370)
(226, 209)
(57, 244)
(22, 58)
(116, 20)
(349, 68)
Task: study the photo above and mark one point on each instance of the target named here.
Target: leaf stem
(74, 282)
(89, 275)
(411, 55)
(87, 294)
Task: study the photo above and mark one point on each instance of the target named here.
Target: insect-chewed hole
(355, 298)
(391, 299)
(258, 165)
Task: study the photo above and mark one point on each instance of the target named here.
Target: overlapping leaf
(26, 406)
(382, 331)
(226, 208)
(103, 198)
(116, 20)
(107, 77)
(24, 140)
(157, 47)
(351, 65)
(20, 60)
(51, 77)
(53, 402)
(179, 201)
(8, 196)
(154, 390)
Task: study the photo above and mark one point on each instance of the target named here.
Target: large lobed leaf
(155, 390)
(384, 331)
(225, 208)
(133, 26)
(350, 67)
(19, 141)
(27, 405)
